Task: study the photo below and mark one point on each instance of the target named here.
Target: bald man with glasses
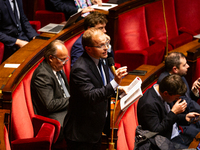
(49, 85)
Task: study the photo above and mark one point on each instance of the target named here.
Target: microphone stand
(112, 144)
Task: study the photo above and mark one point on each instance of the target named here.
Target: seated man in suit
(91, 90)
(15, 29)
(157, 113)
(70, 7)
(49, 85)
(176, 63)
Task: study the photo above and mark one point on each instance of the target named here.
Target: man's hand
(192, 117)
(87, 9)
(20, 43)
(123, 89)
(98, 2)
(119, 73)
(196, 86)
(179, 107)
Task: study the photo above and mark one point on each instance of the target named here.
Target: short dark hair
(173, 59)
(93, 19)
(51, 49)
(173, 84)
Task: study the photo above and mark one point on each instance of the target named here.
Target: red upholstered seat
(6, 139)
(133, 48)
(45, 16)
(36, 25)
(187, 15)
(1, 52)
(156, 25)
(69, 43)
(127, 127)
(30, 131)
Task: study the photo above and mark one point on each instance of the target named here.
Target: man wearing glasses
(49, 85)
(91, 90)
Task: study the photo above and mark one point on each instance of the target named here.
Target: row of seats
(141, 36)
(38, 132)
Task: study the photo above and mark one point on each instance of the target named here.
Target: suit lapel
(10, 11)
(93, 67)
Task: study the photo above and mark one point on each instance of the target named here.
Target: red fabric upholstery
(127, 127)
(69, 43)
(46, 17)
(6, 139)
(32, 131)
(1, 51)
(156, 25)
(133, 47)
(36, 25)
(187, 15)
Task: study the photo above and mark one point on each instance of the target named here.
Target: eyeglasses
(63, 61)
(103, 46)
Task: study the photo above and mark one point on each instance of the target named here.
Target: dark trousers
(183, 140)
(72, 145)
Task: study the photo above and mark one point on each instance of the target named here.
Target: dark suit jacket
(88, 102)
(66, 6)
(47, 95)
(8, 27)
(153, 116)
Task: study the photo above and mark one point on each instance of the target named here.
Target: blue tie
(101, 71)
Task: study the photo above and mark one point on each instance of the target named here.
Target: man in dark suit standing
(49, 85)
(157, 113)
(15, 29)
(91, 91)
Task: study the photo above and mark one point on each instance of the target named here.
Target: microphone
(111, 64)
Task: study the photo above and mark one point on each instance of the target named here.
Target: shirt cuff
(114, 84)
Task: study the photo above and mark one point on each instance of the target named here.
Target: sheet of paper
(105, 6)
(197, 36)
(11, 65)
(134, 93)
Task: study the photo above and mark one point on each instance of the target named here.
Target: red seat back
(1, 51)
(187, 14)
(155, 20)
(132, 33)
(21, 124)
(69, 43)
(127, 126)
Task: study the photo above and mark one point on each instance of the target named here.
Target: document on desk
(197, 36)
(105, 6)
(11, 65)
(133, 91)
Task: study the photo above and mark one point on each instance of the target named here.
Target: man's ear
(175, 70)
(165, 93)
(50, 58)
(88, 49)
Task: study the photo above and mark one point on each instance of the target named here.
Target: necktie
(101, 71)
(16, 16)
(62, 84)
(175, 131)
